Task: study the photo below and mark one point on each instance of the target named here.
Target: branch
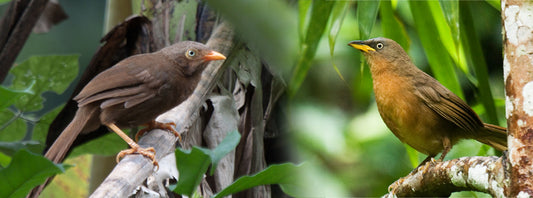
(15, 28)
(483, 174)
(134, 169)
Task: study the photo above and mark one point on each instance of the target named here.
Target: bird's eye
(190, 53)
(379, 45)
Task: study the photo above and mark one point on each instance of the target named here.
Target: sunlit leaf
(392, 27)
(495, 4)
(437, 54)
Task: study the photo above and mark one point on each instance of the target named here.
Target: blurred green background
(333, 119)
(335, 123)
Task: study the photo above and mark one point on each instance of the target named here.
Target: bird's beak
(360, 45)
(214, 55)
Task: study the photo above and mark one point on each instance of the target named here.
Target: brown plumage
(134, 92)
(417, 108)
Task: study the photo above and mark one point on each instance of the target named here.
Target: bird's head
(380, 50)
(191, 56)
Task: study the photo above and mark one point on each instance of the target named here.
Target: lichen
(478, 176)
(527, 94)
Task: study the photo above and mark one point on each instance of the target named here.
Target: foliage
(22, 174)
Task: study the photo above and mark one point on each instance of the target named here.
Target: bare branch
(133, 170)
(483, 174)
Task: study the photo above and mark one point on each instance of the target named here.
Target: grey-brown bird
(419, 110)
(134, 92)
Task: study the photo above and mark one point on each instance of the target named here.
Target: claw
(158, 125)
(147, 152)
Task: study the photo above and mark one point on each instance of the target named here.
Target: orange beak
(213, 55)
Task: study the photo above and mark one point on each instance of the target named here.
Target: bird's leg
(135, 148)
(157, 125)
(446, 143)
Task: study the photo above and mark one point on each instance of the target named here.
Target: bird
(134, 92)
(419, 110)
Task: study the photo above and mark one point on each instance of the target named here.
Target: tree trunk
(517, 17)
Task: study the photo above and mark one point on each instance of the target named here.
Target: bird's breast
(405, 114)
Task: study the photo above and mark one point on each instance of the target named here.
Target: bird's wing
(123, 83)
(448, 105)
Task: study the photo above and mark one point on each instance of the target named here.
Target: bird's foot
(147, 152)
(158, 125)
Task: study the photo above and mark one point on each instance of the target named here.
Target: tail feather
(496, 136)
(60, 148)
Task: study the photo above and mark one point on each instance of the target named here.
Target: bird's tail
(60, 148)
(495, 136)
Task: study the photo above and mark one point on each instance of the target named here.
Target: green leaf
(367, 12)
(303, 19)
(12, 127)
(283, 174)
(26, 171)
(40, 130)
(4, 1)
(496, 4)
(193, 164)
(474, 52)
(448, 23)
(392, 27)
(337, 17)
(49, 73)
(10, 148)
(227, 145)
(9, 96)
(437, 55)
(320, 13)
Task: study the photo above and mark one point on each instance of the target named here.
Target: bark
(517, 17)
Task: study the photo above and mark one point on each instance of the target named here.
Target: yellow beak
(361, 46)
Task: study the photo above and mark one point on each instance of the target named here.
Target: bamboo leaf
(337, 17)
(392, 27)
(320, 13)
(475, 56)
(437, 55)
(367, 12)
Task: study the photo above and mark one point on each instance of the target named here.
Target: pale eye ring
(379, 45)
(191, 53)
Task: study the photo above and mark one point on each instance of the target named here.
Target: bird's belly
(409, 119)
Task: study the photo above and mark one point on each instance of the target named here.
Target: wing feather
(126, 82)
(448, 105)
